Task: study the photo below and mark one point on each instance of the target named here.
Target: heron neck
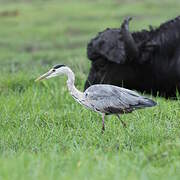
(71, 87)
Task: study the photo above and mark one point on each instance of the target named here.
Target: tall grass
(44, 134)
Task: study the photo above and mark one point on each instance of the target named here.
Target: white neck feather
(71, 87)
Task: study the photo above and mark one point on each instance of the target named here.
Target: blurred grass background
(44, 134)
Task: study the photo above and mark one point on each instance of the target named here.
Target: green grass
(44, 134)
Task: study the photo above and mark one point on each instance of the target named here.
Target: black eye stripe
(58, 66)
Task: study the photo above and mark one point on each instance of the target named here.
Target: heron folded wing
(108, 99)
(113, 99)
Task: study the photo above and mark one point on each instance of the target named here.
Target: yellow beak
(43, 76)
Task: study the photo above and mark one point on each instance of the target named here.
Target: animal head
(108, 45)
(53, 72)
(115, 45)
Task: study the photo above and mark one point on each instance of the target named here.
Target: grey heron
(102, 98)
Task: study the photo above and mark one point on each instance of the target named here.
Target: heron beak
(44, 76)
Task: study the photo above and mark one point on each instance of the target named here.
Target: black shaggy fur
(148, 61)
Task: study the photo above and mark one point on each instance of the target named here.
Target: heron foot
(123, 123)
(103, 129)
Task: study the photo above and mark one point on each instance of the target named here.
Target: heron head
(53, 72)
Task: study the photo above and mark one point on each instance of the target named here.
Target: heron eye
(53, 70)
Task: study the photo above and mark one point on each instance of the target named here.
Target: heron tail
(146, 102)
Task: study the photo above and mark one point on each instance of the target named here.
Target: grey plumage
(111, 99)
(102, 98)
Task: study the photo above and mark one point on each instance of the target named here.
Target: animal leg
(123, 123)
(103, 125)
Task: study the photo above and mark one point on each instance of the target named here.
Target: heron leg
(123, 123)
(103, 125)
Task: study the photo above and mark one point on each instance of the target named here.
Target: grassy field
(44, 134)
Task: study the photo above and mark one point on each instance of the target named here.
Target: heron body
(102, 98)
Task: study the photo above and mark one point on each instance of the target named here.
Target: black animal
(148, 61)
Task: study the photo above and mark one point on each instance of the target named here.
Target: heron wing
(112, 99)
